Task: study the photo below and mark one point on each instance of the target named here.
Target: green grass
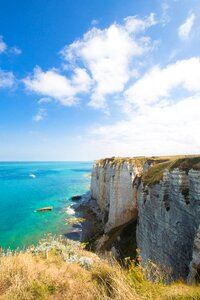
(155, 173)
(186, 164)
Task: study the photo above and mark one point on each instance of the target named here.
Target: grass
(155, 173)
(159, 165)
(186, 164)
(140, 160)
(118, 161)
(48, 272)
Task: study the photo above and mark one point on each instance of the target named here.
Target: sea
(28, 186)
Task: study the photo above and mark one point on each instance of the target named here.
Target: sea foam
(32, 176)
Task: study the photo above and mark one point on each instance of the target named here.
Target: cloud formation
(44, 100)
(158, 84)
(154, 131)
(3, 45)
(157, 106)
(7, 79)
(52, 84)
(15, 50)
(108, 55)
(101, 63)
(41, 115)
(165, 121)
(165, 17)
(4, 48)
(185, 29)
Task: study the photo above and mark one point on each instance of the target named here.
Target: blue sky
(80, 80)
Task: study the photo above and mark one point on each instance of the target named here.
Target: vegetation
(75, 221)
(159, 165)
(140, 160)
(62, 269)
(155, 173)
(118, 161)
(187, 163)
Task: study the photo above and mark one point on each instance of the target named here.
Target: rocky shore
(86, 221)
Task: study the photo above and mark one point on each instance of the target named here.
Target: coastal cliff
(160, 198)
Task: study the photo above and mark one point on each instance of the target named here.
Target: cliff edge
(154, 201)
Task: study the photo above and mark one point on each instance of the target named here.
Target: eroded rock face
(194, 275)
(169, 215)
(114, 188)
(168, 212)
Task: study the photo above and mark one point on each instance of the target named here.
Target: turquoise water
(25, 187)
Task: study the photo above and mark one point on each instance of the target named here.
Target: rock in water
(43, 209)
(76, 198)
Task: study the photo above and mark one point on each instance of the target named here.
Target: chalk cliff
(163, 196)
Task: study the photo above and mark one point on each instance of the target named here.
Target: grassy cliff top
(142, 159)
(155, 173)
(159, 165)
(118, 161)
(114, 161)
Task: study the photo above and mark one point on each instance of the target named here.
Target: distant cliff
(161, 196)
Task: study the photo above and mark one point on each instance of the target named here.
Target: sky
(82, 80)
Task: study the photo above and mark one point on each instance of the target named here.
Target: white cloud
(44, 100)
(153, 131)
(94, 22)
(41, 115)
(57, 86)
(3, 45)
(109, 54)
(100, 64)
(15, 50)
(134, 25)
(7, 79)
(165, 122)
(158, 84)
(185, 29)
(165, 17)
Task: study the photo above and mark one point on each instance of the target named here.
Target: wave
(69, 210)
(32, 176)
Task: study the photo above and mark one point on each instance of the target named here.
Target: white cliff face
(169, 215)
(113, 189)
(168, 212)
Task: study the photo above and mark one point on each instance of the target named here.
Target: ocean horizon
(26, 186)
